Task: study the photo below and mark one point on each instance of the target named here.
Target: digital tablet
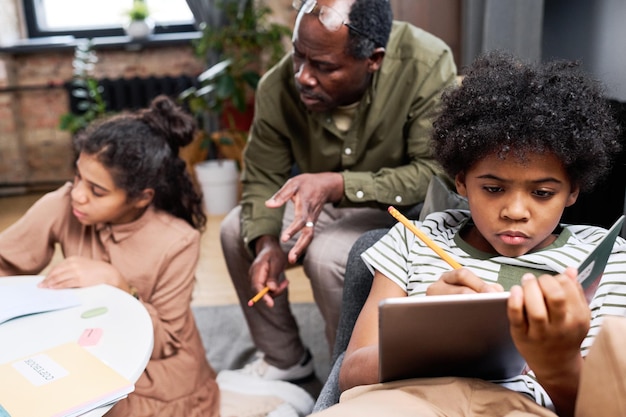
(464, 335)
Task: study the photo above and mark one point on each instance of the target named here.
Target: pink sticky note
(90, 337)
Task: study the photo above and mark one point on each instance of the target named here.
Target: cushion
(440, 197)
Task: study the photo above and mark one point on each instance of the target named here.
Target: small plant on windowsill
(139, 11)
(139, 25)
(84, 87)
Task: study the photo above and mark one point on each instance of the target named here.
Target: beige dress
(158, 254)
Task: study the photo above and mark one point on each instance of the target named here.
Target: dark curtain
(511, 25)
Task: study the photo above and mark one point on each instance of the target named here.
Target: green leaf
(215, 71)
(251, 78)
(225, 140)
(225, 86)
(239, 100)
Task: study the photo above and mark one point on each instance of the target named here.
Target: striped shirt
(407, 261)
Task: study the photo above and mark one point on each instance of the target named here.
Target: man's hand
(461, 281)
(78, 271)
(267, 267)
(309, 193)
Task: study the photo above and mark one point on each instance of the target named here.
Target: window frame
(34, 31)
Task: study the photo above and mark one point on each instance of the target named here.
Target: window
(92, 18)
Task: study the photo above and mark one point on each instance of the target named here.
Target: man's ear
(376, 59)
(145, 198)
(459, 182)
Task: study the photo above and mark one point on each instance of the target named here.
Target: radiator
(135, 93)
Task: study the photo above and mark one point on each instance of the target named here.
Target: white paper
(26, 298)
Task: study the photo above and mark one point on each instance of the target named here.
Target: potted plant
(85, 91)
(243, 49)
(139, 23)
(223, 102)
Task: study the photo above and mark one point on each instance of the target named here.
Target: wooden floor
(213, 283)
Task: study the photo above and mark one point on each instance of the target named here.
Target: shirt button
(360, 194)
(398, 199)
(348, 151)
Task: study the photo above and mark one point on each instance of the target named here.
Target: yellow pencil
(257, 297)
(428, 241)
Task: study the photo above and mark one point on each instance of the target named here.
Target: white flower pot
(138, 29)
(219, 181)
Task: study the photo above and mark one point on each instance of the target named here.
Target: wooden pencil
(258, 296)
(422, 236)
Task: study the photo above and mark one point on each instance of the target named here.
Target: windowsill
(59, 43)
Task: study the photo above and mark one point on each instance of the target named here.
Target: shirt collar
(120, 232)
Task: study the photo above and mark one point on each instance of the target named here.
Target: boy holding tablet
(521, 141)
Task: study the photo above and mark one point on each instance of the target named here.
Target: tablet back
(463, 335)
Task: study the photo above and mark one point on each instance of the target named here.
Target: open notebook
(25, 298)
(463, 334)
(591, 269)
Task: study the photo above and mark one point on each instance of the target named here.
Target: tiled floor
(213, 286)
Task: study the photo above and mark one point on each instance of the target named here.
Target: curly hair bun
(170, 121)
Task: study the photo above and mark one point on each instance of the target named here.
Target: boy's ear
(573, 196)
(459, 182)
(145, 198)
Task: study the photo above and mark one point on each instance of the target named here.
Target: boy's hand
(549, 319)
(461, 281)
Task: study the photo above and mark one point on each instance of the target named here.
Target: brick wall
(34, 152)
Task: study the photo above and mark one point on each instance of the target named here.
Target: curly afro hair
(507, 107)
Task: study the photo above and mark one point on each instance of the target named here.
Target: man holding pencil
(341, 131)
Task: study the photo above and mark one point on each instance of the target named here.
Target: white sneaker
(263, 370)
(285, 410)
(294, 401)
(237, 404)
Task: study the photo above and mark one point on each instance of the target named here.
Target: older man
(341, 131)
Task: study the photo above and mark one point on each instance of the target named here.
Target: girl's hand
(461, 281)
(78, 271)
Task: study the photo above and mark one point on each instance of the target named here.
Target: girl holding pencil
(521, 142)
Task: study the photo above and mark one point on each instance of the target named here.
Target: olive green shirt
(385, 157)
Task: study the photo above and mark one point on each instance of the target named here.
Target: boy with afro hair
(521, 141)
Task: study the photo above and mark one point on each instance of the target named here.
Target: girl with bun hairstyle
(132, 219)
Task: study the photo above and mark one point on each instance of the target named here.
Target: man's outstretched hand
(309, 193)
